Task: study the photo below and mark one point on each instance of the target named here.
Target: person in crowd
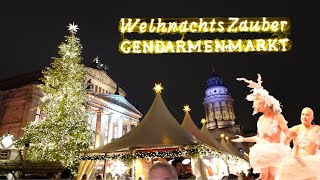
(66, 174)
(242, 176)
(162, 171)
(98, 177)
(177, 163)
(84, 177)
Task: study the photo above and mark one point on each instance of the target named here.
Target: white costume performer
(266, 154)
(268, 150)
(304, 166)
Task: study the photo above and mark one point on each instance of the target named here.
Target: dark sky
(32, 30)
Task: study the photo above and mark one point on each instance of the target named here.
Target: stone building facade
(111, 115)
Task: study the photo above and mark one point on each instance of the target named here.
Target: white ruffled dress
(265, 154)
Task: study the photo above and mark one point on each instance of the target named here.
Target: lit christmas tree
(64, 130)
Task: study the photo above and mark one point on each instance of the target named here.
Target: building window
(4, 154)
(95, 88)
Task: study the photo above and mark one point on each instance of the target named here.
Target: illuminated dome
(218, 103)
(214, 80)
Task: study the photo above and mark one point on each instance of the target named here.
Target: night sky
(32, 30)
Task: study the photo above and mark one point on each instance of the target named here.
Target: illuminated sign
(276, 29)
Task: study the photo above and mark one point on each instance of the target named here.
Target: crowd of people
(164, 170)
(175, 171)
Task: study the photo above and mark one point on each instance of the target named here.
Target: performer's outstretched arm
(245, 139)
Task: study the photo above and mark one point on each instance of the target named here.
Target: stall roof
(28, 166)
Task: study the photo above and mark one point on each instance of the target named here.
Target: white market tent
(227, 147)
(190, 126)
(157, 129)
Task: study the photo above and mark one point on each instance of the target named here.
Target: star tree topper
(73, 28)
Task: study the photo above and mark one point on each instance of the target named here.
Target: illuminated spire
(157, 88)
(203, 121)
(186, 108)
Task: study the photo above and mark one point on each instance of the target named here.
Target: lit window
(4, 154)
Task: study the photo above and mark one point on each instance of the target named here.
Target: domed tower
(218, 104)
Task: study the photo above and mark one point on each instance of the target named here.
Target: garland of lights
(189, 151)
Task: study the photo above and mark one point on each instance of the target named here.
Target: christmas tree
(64, 130)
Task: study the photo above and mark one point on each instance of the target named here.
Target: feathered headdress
(260, 94)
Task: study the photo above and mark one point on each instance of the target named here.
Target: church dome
(218, 103)
(214, 80)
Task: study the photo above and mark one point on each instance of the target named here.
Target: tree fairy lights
(278, 30)
(64, 131)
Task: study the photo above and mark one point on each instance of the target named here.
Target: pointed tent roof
(157, 129)
(189, 125)
(227, 148)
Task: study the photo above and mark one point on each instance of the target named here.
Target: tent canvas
(226, 147)
(189, 125)
(158, 129)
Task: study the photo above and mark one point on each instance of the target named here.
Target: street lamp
(7, 141)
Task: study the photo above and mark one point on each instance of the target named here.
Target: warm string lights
(187, 151)
(278, 30)
(63, 131)
(204, 46)
(204, 25)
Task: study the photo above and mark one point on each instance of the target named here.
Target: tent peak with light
(157, 129)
